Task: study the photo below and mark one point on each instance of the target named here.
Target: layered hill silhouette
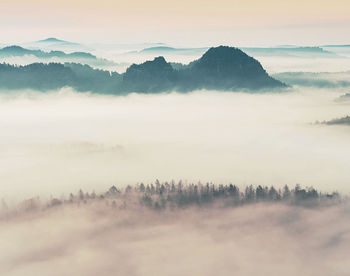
(282, 51)
(20, 51)
(220, 68)
(81, 57)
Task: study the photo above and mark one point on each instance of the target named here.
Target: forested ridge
(220, 68)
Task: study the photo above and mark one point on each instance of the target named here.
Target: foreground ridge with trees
(171, 195)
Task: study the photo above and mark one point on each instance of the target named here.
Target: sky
(182, 22)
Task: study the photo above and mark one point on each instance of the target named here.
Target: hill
(53, 40)
(52, 76)
(281, 51)
(220, 68)
(228, 68)
(81, 57)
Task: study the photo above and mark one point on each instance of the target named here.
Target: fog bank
(62, 141)
(258, 239)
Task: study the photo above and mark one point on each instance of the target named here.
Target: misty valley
(152, 159)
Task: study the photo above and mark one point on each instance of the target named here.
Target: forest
(171, 195)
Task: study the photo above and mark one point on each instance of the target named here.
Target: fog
(290, 64)
(321, 80)
(97, 63)
(258, 239)
(58, 142)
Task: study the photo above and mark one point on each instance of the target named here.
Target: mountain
(81, 57)
(220, 68)
(227, 68)
(159, 49)
(53, 43)
(166, 49)
(294, 52)
(157, 75)
(286, 51)
(53, 40)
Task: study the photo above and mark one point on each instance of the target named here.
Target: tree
(260, 193)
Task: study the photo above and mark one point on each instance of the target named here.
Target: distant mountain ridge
(55, 40)
(335, 45)
(220, 68)
(281, 51)
(83, 57)
(15, 50)
(312, 79)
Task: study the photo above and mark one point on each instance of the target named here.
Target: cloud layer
(62, 141)
(250, 240)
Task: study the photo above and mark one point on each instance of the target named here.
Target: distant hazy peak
(12, 47)
(158, 48)
(54, 40)
(51, 39)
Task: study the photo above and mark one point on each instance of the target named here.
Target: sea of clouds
(62, 141)
(258, 239)
(55, 143)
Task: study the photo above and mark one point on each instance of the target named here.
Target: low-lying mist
(275, 64)
(97, 63)
(58, 142)
(259, 239)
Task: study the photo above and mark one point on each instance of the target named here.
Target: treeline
(171, 195)
(165, 195)
(53, 76)
(340, 121)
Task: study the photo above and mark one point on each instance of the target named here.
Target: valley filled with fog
(174, 138)
(250, 240)
(182, 182)
(62, 141)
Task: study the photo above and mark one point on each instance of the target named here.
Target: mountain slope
(228, 68)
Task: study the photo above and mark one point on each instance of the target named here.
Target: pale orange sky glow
(248, 22)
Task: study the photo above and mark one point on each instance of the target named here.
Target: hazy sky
(240, 22)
